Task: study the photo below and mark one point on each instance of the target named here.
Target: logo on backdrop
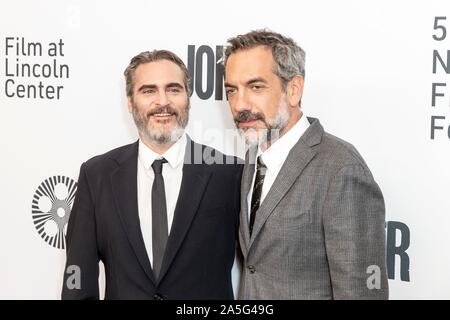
(51, 206)
(440, 97)
(397, 244)
(33, 70)
(206, 71)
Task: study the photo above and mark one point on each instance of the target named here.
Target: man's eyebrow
(249, 82)
(255, 80)
(154, 86)
(174, 85)
(229, 85)
(147, 86)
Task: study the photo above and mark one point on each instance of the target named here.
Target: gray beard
(272, 130)
(158, 136)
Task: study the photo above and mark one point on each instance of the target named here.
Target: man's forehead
(159, 68)
(249, 63)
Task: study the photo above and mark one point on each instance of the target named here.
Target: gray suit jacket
(319, 233)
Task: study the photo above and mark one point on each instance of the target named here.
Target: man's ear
(130, 104)
(295, 90)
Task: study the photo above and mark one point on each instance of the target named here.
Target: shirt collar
(277, 153)
(174, 155)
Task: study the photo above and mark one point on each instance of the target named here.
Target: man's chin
(252, 137)
(162, 126)
(170, 134)
(165, 123)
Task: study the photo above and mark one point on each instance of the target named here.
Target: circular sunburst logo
(51, 207)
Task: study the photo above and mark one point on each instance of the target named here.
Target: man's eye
(174, 90)
(148, 91)
(230, 90)
(257, 87)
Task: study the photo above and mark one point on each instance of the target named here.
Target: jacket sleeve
(82, 263)
(354, 227)
(237, 199)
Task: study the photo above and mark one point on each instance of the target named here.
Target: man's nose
(240, 102)
(162, 99)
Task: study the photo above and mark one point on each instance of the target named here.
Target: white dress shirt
(172, 173)
(274, 157)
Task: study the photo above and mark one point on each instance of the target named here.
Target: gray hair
(289, 57)
(152, 56)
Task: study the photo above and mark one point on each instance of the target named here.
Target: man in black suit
(160, 213)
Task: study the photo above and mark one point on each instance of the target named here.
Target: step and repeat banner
(377, 75)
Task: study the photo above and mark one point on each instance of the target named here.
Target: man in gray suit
(312, 216)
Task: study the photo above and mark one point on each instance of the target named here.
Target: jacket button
(158, 296)
(251, 269)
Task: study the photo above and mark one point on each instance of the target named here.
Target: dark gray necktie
(257, 190)
(159, 217)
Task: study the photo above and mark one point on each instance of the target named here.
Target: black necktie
(257, 189)
(159, 217)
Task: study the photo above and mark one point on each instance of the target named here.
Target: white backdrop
(369, 75)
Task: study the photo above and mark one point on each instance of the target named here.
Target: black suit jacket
(104, 225)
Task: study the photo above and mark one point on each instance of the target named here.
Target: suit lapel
(124, 187)
(193, 185)
(298, 158)
(246, 181)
